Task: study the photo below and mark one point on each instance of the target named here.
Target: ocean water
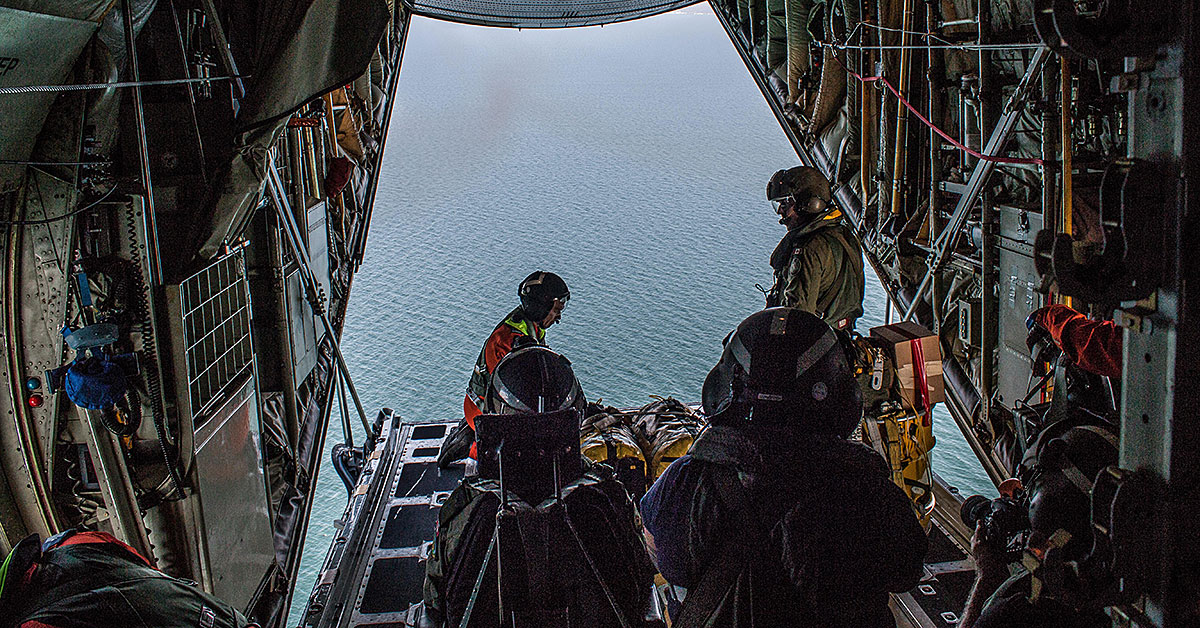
(630, 159)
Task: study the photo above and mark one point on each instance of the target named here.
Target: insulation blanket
(35, 49)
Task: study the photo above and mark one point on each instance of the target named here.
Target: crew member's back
(774, 518)
(537, 538)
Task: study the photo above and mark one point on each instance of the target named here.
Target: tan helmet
(805, 186)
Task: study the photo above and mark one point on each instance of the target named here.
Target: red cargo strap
(921, 382)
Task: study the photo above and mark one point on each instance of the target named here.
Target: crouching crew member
(79, 579)
(1054, 509)
(774, 518)
(543, 295)
(819, 263)
(540, 537)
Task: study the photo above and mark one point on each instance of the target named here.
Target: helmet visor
(782, 204)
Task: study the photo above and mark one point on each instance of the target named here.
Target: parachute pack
(640, 444)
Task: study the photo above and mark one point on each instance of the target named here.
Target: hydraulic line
(53, 219)
(139, 113)
(935, 73)
(149, 329)
(1066, 223)
(1067, 226)
(30, 451)
(946, 136)
(899, 163)
(866, 115)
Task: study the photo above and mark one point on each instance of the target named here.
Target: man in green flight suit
(819, 263)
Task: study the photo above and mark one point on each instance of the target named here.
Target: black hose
(128, 406)
(150, 353)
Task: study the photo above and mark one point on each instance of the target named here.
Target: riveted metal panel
(233, 496)
(1019, 283)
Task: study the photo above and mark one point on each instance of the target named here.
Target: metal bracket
(1123, 562)
(1127, 266)
(226, 56)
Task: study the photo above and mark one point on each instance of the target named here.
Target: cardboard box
(905, 339)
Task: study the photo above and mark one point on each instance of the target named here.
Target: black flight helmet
(784, 367)
(538, 292)
(533, 380)
(804, 187)
(1059, 474)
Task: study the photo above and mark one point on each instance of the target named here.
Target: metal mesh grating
(544, 13)
(216, 327)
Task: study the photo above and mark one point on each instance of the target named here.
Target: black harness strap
(702, 601)
(466, 618)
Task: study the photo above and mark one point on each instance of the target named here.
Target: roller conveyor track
(375, 569)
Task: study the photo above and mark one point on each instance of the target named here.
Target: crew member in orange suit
(1095, 346)
(543, 295)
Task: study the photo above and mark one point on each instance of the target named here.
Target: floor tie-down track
(375, 569)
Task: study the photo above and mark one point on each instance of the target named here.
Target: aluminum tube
(293, 238)
(900, 157)
(934, 110)
(117, 486)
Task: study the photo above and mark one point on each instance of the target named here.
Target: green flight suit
(819, 269)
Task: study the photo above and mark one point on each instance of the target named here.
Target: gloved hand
(1040, 342)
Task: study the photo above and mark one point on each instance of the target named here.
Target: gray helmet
(786, 367)
(533, 379)
(805, 186)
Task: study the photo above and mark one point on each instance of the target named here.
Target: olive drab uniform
(819, 269)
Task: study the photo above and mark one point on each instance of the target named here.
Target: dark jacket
(1010, 606)
(819, 269)
(543, 567)
(835, 534)
(91, 579)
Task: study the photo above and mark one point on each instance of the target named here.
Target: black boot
(456, 446)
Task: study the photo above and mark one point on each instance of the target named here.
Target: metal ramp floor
(374, 572)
